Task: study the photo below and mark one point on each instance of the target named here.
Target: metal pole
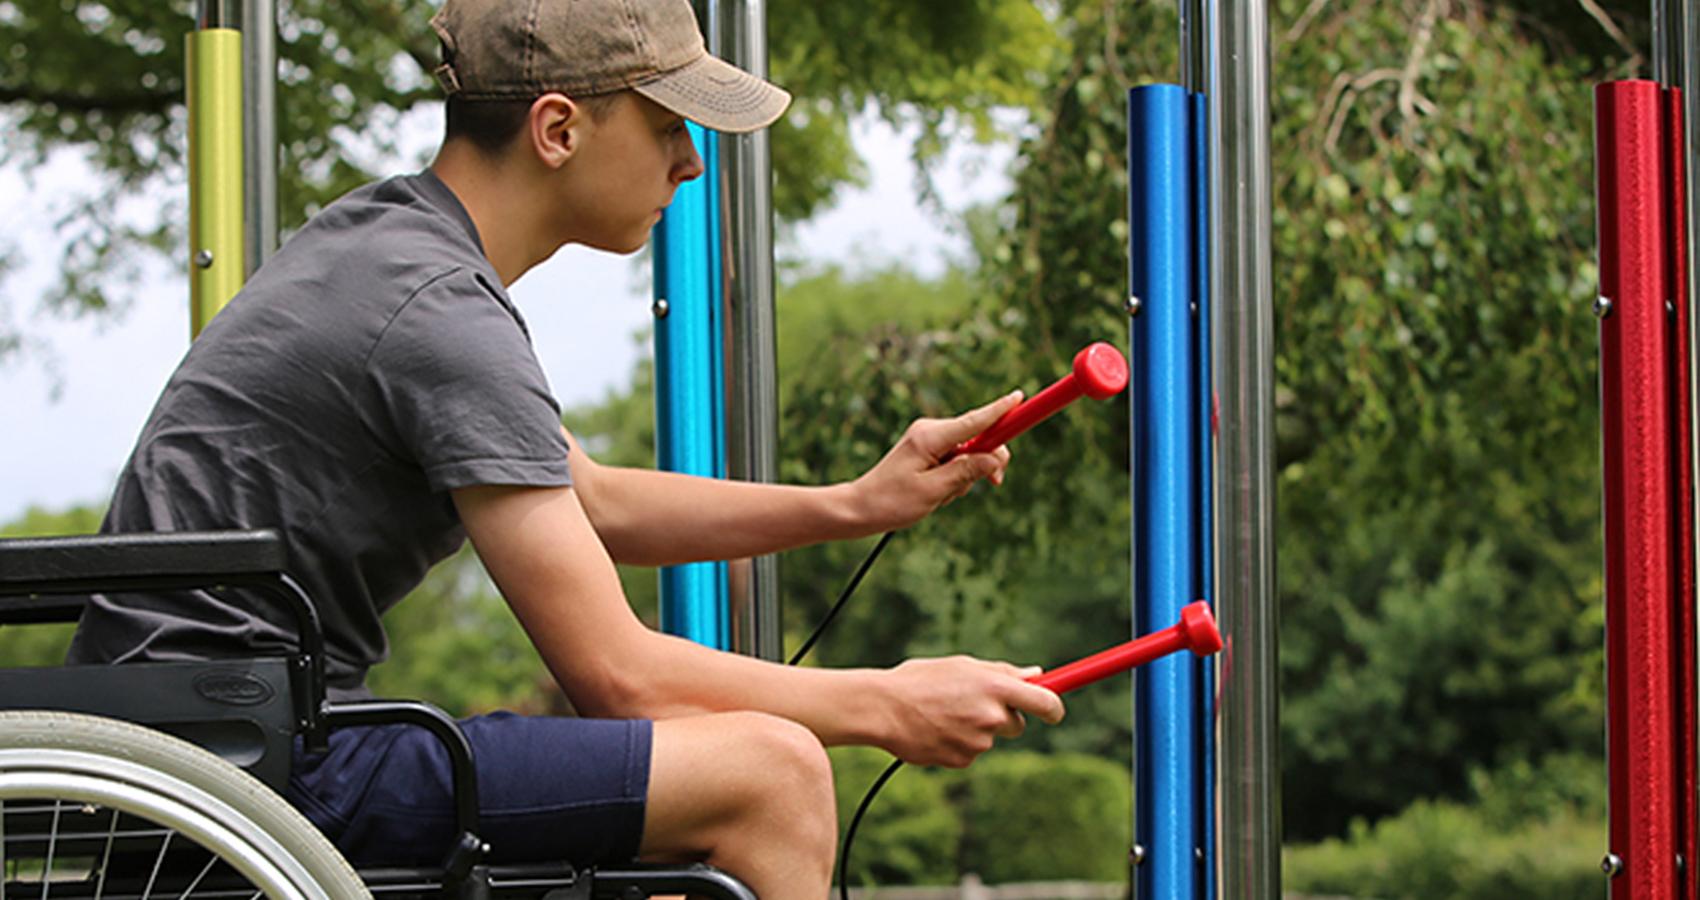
(1685, 71)
(1675, 65)
(259, 130)
(752, 398)
(218, 14)
(1195, 49)
(1242, 332)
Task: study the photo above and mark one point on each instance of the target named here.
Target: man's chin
(623, 248)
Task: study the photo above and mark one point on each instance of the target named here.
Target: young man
(372, 394)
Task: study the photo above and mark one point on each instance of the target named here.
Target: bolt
(1193, 307)
(1137, 854)
(1602, 307)
(204, 259)
(1612, 865)
(1134, 304)
(659, 308)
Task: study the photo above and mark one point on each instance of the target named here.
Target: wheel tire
(54, 756)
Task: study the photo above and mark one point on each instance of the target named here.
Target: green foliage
(1034, 817)
(1531, 829)
(1436, 406)
(43, 645)
(105, 78)
(910, 834)
(1013, 816)
(1438, 849)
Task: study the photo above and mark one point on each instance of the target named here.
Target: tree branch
(1304, 20)
(1612, 30)
(142, 102)
(1410, 99)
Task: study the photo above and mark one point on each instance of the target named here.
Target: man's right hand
(950, 710)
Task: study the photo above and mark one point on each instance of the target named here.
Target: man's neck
(501, 209)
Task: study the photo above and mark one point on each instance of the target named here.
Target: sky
(586, 309)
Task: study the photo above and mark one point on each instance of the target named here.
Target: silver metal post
(1248, 769)
(1195, 51)
(259, 131)
(752, 388)
(1677, 30)
(1668, 26)
(218, 14)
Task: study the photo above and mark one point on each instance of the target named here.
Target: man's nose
(691, 167)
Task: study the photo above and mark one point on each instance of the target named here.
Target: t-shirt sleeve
(461, 391)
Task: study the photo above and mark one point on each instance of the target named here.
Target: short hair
(491, 125)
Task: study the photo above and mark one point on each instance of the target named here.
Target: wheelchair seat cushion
(550, 790)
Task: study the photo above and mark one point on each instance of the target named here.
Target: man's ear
(555, 128)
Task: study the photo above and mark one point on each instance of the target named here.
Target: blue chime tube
(1164, 454)
(689, 392)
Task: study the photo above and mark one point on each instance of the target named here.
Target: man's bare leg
(748, 793)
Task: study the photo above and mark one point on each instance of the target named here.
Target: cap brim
(716, 94)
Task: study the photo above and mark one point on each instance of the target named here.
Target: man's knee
(786, 757)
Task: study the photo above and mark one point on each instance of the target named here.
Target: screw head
(1134, 304)
(1602, 307)
(659, 308)
(1612, 865)
(204, 259)
(1136, 853)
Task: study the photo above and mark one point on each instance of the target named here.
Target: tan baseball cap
(521, 49)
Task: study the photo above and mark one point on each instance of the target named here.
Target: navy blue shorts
(550, 790)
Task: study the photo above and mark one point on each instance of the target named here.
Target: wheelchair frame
(248, 711)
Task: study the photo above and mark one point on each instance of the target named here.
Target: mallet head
(1100, 370)
(1198, 628)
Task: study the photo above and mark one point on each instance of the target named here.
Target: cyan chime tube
(689, 397)
(1161, 262)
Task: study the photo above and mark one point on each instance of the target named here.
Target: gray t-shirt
(374, 364)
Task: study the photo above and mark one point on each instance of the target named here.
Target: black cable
(855, 581)
(856, 820)
(850, 833)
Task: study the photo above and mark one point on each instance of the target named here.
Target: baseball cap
(521, 49)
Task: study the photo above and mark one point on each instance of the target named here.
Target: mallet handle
(1099, 371)
(1196, 632)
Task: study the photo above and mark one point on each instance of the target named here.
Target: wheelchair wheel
(97, 808)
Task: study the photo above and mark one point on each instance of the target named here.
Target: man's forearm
(663, 518)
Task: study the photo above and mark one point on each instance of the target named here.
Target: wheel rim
(180, 807)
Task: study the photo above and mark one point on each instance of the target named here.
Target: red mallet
(1100, 371)
(1196, 631)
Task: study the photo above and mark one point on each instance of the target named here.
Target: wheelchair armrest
(36, 572)
(111, 562)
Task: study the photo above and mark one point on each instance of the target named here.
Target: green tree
(105, 78)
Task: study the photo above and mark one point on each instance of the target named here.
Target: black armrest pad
(104, 562)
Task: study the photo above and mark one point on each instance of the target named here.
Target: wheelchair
(163, 780)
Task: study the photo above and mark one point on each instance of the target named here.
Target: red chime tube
(1637, 408)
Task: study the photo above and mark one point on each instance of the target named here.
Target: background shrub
(1034, 817)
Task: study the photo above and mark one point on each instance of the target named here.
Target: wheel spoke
(105, 857)
(163, 846)
(52, 844)
(211, 861)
